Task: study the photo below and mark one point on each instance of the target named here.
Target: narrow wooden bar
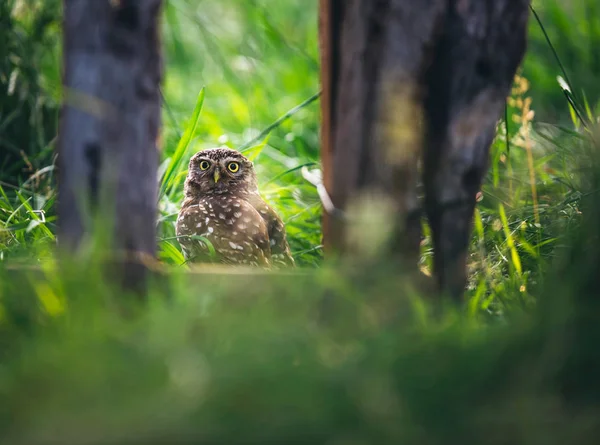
(325, 47)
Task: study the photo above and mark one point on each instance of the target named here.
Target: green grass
(574, 29)
(331, 355)
(245, 75)
(254, 74)
(246, 361)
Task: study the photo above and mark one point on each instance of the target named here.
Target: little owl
(222, 205)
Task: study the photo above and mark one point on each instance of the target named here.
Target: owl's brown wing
(281, 255)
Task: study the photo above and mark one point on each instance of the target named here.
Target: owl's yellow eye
(204, 165)
(233, 167)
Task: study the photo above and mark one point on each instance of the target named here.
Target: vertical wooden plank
(325, 47)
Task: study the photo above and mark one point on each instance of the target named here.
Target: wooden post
(110, 122)
(326, 59)
(405, 80)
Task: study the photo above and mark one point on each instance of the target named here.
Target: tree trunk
(405, 81)
(110, 121)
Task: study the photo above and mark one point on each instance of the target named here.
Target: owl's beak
(216, 175)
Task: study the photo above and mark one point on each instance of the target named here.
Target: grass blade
(252, 152)
(278, 122)
(169, 252)
(509, 239)
(182, 146)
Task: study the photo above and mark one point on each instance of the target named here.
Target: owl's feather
(280, 249)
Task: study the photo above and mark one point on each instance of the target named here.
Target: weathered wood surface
(407, 81)
(109, 127)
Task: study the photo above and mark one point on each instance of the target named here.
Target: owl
(222, 205)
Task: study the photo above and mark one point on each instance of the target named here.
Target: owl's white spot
(246, 219)
(236, 204)
(234, 232)
(256, 224)
(210, 206)
(263, 211)
(229, 222)
(242, 226)
(199, 224)
(210, 230)
(207, 220)
(221, 216)
(272, 242)
(235, 246)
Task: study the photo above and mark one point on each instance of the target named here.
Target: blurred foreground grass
(263, 359)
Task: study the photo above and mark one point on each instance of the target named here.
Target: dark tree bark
(405, 80)
(109, 126)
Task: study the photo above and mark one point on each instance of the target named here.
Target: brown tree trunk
(405, 80)
(109, 127)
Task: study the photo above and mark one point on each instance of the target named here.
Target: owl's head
(219, 171)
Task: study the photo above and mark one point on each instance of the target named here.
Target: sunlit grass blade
(51, 303)
(182, 146)
(514, 254)
(290, 170)
(525, 245)
(543, 243)
(35, 221)
(177, 180)
(577, 114)
(254, 151)
(279, 121)
(169, 252)
(478, 223)
(588, 110)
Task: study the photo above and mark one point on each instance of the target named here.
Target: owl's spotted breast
(233, 227)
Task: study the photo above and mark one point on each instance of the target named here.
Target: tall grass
(573, 26)
(245, 75)
(28, 77)
(247, 360)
